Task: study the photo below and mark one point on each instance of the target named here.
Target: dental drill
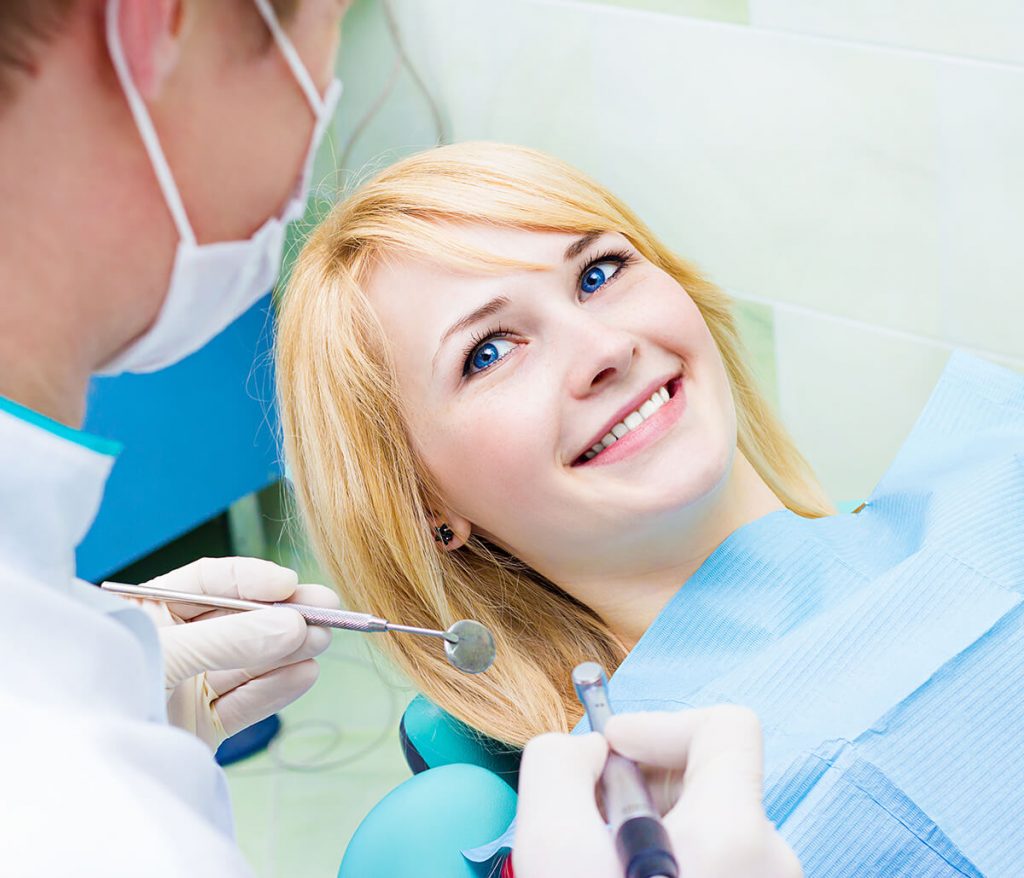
(640, 838)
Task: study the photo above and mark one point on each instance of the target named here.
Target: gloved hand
(704, 769)
(224, 670)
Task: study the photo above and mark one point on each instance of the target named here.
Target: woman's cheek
(500, 462)
(481, 461)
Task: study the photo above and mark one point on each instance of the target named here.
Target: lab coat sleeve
(80, 797)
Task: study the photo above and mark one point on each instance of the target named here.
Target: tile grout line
(901, 334)
(845, 42)
(934, 54)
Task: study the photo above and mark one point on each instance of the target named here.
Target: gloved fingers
(250, 578)
(718, 826)
(259, 698)
(238, 640)
(157, 611)
(315, 596)
(559, 829)
(317, 638)
(664, 785)
(315, 642)
(307, 593)
(726, 759)
(723, 743)
(190, 707)
(222, 682)
(561, 770)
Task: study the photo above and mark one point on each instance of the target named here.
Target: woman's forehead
(418, 292)
(512, 242)
(482, 248)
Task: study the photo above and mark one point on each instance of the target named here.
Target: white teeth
(630, 422)
(633, 420)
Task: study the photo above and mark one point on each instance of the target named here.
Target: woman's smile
(639, 427)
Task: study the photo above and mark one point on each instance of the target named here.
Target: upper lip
(627, 409)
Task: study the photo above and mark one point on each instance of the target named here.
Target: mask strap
(145, 125)
(291, 56)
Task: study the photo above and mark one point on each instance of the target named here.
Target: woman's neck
(630, 605)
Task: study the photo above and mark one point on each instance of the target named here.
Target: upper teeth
(630, 422)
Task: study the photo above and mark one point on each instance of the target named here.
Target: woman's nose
(600, 355)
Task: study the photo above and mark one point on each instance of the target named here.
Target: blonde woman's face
(537, 399)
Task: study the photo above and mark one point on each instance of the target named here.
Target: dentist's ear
(450, 531)
(151, 32)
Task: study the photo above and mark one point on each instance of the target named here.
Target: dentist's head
(154, 150)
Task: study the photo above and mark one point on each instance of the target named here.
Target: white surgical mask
(211, 284)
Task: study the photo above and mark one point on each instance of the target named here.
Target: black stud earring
(443, 534)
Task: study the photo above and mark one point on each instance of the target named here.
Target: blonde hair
(364, 495)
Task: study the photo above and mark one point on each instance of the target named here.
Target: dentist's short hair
(27, 26)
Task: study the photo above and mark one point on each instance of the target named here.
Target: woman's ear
(451, 531)
(151, 33)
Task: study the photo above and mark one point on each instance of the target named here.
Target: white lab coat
(93, 781)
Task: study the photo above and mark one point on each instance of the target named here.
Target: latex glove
(223, 670)
(705, 766)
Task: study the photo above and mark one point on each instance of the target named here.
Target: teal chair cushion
(421, 827)
(432, 737)
(462, 796)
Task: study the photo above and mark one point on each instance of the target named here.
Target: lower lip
(649, 432)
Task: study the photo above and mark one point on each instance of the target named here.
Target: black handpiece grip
(645, 850)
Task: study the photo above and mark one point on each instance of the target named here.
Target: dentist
(153, 152)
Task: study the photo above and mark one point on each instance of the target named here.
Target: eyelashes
(478, 341)
(620, 257)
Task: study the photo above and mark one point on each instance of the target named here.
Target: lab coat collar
(51, 482)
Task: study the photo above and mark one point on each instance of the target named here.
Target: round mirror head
(474, 650)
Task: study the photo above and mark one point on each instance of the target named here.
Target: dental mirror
(473, 649)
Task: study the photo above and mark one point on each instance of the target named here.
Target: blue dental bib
(883, 650)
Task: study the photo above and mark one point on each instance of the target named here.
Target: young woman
(504, 399)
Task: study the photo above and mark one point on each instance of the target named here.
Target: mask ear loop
(323, 107)
(291, 57)
(145, 125)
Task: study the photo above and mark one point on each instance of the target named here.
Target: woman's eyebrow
(580, 244)
(498, 303)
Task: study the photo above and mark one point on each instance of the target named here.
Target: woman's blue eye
(598, 274)
(487, 354)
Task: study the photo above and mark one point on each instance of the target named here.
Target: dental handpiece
(640, 838)
(468, 645)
